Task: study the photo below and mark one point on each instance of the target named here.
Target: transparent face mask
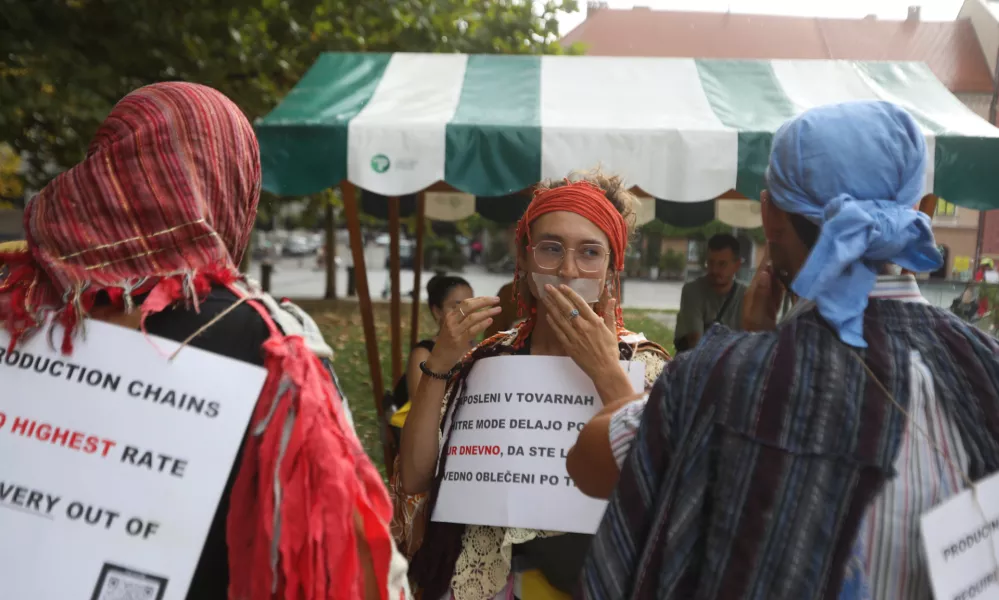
(588, 289)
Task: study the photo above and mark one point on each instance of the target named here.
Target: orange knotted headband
(586, 200)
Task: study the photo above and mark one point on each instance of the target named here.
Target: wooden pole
(927, 206)
(421, 210)
(330, 226)
(352, 212)
(979, 240)
(396, 308)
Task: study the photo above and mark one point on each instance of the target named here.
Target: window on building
(945, 209)
(693, 251)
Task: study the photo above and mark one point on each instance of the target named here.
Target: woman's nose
(569, 269)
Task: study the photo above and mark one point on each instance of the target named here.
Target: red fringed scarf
(303, 546)
(162, 208)
(586, 200)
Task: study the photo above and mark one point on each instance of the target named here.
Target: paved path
(292, 280)
(300, 280)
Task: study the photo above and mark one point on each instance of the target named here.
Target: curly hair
(613, 186)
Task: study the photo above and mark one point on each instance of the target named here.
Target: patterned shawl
(153, 183)
(160, 210)
(434, 564)
(758, 455)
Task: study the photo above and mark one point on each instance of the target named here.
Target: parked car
(298, 245)
(407, 250)
(504, 265)
(266, 249)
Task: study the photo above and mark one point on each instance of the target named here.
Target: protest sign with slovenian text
(114, 462)
(961, 543)
(515, 424)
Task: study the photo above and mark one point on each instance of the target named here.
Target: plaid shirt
(759, 454)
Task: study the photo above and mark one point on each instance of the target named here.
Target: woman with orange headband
(571, 243)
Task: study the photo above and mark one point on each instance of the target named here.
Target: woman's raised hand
(590, 340)
(460, 329)
(763, 298)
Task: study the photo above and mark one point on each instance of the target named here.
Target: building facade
(952, 50)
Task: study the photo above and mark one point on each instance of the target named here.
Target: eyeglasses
(722, 263)
(590, 258)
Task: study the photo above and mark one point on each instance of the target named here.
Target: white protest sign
(961, 543)
(517, 420)
(114, 460)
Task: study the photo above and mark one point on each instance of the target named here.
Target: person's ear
(775, 220)
(521, 255)
(765, 209)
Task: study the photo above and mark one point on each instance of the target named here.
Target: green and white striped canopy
(684, 130)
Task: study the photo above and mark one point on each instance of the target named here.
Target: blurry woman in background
(573, 234)
(444, 293)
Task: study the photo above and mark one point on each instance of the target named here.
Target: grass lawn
(343, 330)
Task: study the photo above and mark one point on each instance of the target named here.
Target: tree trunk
(330, 227)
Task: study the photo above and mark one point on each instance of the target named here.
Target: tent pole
(396, 308)
(979, 241)
(352, 212)
(421, 210)
(927, 206)
(329, 224)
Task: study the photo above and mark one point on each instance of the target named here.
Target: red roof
(951, 49)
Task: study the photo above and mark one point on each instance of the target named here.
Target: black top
(238, 335)
(400, 395)
(560, 558)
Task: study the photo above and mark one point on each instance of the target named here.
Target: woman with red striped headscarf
(147, 232)
(571, 243)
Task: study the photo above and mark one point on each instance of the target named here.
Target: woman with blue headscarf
(788, 462)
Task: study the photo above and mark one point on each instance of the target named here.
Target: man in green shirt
(715, 297)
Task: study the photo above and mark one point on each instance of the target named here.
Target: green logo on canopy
(380, 163)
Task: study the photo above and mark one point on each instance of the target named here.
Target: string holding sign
(509, 442)
(965, 513)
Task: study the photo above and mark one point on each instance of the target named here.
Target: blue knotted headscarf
(857, 170)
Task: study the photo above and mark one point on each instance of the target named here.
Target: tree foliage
(11, 187)
(64, 63)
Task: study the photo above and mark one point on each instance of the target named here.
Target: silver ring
(463, 315)
(573, 314)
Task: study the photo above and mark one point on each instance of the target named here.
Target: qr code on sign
(121, 583)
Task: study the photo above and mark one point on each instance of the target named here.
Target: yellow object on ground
(399, 418)
(534, 586)
(7, 247)
(13, 246)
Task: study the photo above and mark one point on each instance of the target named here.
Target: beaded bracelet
(433, 375)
